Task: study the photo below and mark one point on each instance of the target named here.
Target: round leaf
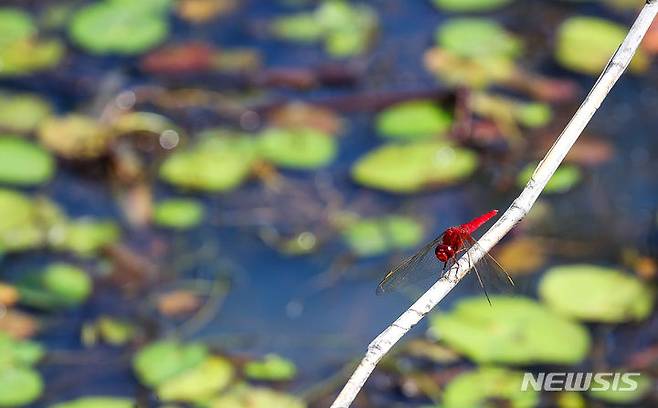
(199, 383)
(178, 213)
(23, 163)
(297, 148)
(470, 5)
(477, 388)
(375, 236)
(19, 386)
(513, 331)
(585, 44)
(244, 396)
(477, 38)
(118, 27)
(413, 120)
(22, 112)
(595, 293)
(217, 163)
(271, 368)
(67, 282)
(162, 360)
(413, 167)
(15, 25)
(97, 402)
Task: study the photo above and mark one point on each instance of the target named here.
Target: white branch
(519, 208)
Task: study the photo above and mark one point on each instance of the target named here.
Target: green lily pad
(219, 162)
(75, 137)
(119, 27)
(15, 25)
(114, 331)
(244, 396)
(24, 223)
(67, 282)
(23, 163)
(414, 167)
(470, 5)
(22, 353)
(162, 360)
(485, 384)
(58, 286)
(301, 27)
(563, 180)
(199, 383)
(585, 44)
(413, 120)
(624, 394)
(477, 38)
(346, 29)
(30, 55)
(85, 236)
(596, 293)
(302, 148)
(375, 236)
(22, 112)
(271, 368)
(514, 331)
(178, 213)
(97, 402)
(19, 386)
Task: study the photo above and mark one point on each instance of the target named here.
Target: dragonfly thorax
(452, 242)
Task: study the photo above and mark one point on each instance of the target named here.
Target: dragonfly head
(444, 252)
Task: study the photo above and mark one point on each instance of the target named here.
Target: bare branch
(517, 210)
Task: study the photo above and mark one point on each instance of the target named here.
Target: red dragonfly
(445, 248)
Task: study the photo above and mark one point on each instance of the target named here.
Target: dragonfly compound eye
(443, 252)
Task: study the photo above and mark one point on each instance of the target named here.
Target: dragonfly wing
(416, 268)
(490, 275)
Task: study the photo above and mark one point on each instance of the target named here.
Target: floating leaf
(374, 236)
(178, 213)
(595, 293)
(346, 29)
(477, 38)
(59, 285)
(75, 137)
(413, 120)
(85, 236)
(97, 402)
(23, 163)
(563, 180)
(624, 394)
(22, 112)
(19, 386)
(413, 167)
(24, 223)
(479, 387)
(18, 353)
(470, 5)
(585, 44)
(300, 27)
(297, 148)
(119, 27)
(514, 331)
(454, 69)
(19, 383)
(114, 331)
(31, 55)
(15, 25)
(67, 282)
(271, 368)
(219, 162)
(162, 360)
(244, 396)
(199, 383)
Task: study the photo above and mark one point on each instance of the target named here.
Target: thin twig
(519, 208)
